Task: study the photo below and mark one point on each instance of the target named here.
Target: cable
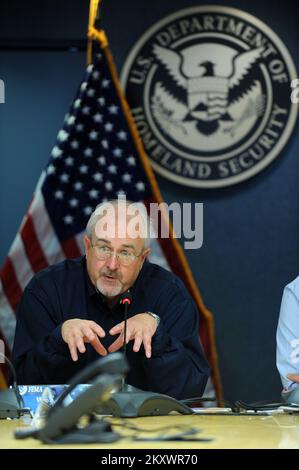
(196, 399)
(14, 385)
(184, 433)
(124, 424)
(238, 405)
(257, 406)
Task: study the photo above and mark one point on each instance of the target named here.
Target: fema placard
(209, 88)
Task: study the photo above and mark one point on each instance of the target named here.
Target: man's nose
(113, 262)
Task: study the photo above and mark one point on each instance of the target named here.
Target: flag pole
(93, 22)
(3, 383)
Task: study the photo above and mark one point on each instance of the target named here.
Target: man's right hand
(76, 332)
(293, 377)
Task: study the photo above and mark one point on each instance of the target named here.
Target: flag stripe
(32, 246)
(10, 283)
(20, 261)
(79, 241)
(7, 318)
(7, 331)
(71, 248)
(45, 233)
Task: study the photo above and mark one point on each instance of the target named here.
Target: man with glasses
(70, 312)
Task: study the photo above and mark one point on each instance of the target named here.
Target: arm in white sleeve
(287, 354)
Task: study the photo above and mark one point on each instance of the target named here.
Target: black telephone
(133, 402)
(104, 375)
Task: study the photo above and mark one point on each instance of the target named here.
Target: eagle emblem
(216, 92)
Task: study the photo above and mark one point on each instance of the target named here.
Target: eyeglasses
(124, 257)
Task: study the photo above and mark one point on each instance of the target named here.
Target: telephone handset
(104, 375)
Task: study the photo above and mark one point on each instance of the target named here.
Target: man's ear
(86, 242)
(145, 254)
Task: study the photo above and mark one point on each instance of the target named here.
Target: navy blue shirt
(64, 291)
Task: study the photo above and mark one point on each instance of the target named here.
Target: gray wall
(251, 231)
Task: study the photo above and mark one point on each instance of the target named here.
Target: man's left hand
(140, 328)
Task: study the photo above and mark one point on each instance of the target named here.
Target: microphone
(125, 300)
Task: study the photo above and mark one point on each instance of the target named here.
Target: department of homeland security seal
(209, 90)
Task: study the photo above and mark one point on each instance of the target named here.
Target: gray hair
(138, 207)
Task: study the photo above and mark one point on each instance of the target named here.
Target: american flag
(97, 157)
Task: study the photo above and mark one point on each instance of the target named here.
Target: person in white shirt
(287, 353)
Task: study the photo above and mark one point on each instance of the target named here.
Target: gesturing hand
(140, 328)
(76, 332)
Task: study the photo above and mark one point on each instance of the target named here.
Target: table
(278, 431)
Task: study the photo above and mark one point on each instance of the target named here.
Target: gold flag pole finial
(94, 12)
(93, 22)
